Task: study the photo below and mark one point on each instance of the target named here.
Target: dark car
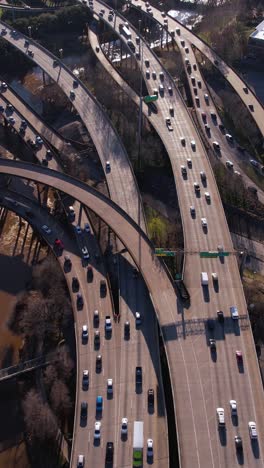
(153, 107)
(84, 409)
(89, 274)
(220, 316)
(75, 284)
(103, 287)
(109, 453)
(97, 339)
(127, 329)
(135, 273)
(98, 362)
(238, 443)
(210, 324)
(212, 344)
(138, 375)
(150, 397)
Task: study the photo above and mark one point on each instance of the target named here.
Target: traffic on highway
(121, 415)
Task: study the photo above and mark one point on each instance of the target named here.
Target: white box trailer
(138, 443)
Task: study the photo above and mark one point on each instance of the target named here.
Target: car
(193, 144)
(252, 430)
(72, 94)
(206, 98)
(89, 274)
(220, 316)
(59, 244)
(85, 332)
(9, 108)
(147, 62)
(85, 379)
(107, 166)
(222, 128)
(213, 115)
(96, 317)
(96, 339)
(79, 300)
(149, 448)
(138, 375)
(212, 344)
(109, 386)
(103, 287)
(220, 416)
(207, 196)
(2, 109)
(182, 140)
(147, 74)
(239, 356)
(193, 80)
(183, 170)
(171, 109)
(108, 324)
(197, 100)
(75, 284)
(210, 324)
(253, 162)
(233, 407)
(109, 453)
(85, 253)
(99, 403)
(3, 32)
(192, 210)
(3, 86)
(75, 84)
(67, 262)
(80, 461)
(189, 163)
(238, 443)
(150, 397)
(203, 114)
(229, 137)
(215, 277)
(98, 362)
(237, 173)
(234, 313)
(124, 426)
(127, 329)
(204, 223)
(216, 145)
(87, 228)
(55, 63)
(78, 229)
(30, 53)
(97, 430)
(11, 120)
(138, 318)
(170, 90)
(229, 164)
(196, 187)
(46, 229)
(135, 273)
(84, 407)
(48, 154)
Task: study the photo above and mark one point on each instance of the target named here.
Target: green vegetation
(157, 227)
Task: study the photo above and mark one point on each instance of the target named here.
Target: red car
(239, 356)
(59, 244)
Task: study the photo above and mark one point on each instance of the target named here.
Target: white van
(204, 278)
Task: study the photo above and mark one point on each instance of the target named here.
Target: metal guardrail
(26, 366)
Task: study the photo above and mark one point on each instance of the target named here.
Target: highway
(214, 382)
(229, 150)
(238, 84)
(123, 189)
(206, 382)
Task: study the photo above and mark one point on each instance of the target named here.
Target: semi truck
(138, 442)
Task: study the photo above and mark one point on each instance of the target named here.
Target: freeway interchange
(203, 377)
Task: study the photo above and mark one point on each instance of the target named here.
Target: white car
(215, 277)
(207, 196)
(11, 120)
(193, 144)
(138, 318)
(149, 448)
(46, 229)
(39, 140)
(234, 313)
(220, 416)
(233, 407)
(85, 332)
(78, 229)
(124, 426)
(97, 430)
(204, 222)
(110, 386)
(189, 163)
(108, 324)
(107, 166)
(229, 164)
(252, 430)
(85, 253)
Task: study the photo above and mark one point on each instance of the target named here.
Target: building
(256, 40)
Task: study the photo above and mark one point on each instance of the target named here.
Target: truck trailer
(138, 441)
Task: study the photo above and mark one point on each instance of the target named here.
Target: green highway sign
(164, 253)
(150, 98)
(213, 254)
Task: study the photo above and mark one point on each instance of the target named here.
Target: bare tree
(39, 420)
